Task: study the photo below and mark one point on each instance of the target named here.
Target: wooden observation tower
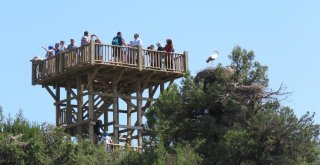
(106, 82)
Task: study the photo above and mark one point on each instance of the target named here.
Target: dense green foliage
(227, 115)
(22, 142)
(223, 115)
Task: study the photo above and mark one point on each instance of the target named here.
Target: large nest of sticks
(224, 75)
(214, 74)
(250, 91)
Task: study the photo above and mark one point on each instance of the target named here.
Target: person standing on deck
(117, 51)
(85, 52)
(56, 49)
(85, 39)
(168, 58)
(62, 47)
(71, 45)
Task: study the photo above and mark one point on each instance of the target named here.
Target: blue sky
(283, 34)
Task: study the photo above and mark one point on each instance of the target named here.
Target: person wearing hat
(51, 61)
(50, 51)
(36, 61)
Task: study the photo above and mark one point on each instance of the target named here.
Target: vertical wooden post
(69, 107)
(129, 108)
(140, 55)
(106, 118)
(150, 95)
(139, 113)
(58, 111)
(61, 62)
(79, 104)
(34, 72)
(115, 112)
(92, 52)
(161, 87)
(185, 62)
(91, 106)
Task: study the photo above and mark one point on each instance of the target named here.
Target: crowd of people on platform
(121, 52)
(118, 40)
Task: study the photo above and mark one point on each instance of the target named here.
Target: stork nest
(254, 89)
(224, 75)
(214, 74)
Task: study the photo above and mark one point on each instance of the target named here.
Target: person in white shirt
(62, 47)
(137, 41)
(85, 39)
(106, 140)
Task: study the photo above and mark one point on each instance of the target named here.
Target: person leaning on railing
(72, 45)
(117, 52)
(136, 43)
(98, 49)
(153, 60)
(71, 61)
(37, 61)
(168, 56)
(85, 38)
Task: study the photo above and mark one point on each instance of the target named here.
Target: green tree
(229, 117)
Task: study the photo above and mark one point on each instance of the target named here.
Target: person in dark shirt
(96, 131)
(160, 47)
(117, 51)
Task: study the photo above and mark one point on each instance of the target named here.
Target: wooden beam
(50, 92)
(186, 67)
(106, 120)
(148, 103)
(128, 127)
(139, 113)
(116, 81)
(77, 124)
(129, 109)
(58, 111)
(147, 80)
(71, 98)
(115, 111)
(91, 78)
(161, 87)
(69, 108)
(91, 110)
(122, 96)
(72, 93)
(80, 88)
(129, 103)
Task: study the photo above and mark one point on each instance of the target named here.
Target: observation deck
(97, 78)
(134, 64)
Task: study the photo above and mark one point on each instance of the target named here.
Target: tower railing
(93, 53)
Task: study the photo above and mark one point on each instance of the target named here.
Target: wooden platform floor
(105, 74)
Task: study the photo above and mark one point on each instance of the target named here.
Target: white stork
(213, 56)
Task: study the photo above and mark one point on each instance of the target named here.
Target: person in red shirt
(169, 56)
(169, 46)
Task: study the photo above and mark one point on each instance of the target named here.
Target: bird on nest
(213, 57)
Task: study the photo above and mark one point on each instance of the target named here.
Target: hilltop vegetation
(223, 115)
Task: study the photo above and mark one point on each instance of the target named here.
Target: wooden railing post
(185, 62)
(61, 62)
(34, 72)
(92, 52)
(140, 60)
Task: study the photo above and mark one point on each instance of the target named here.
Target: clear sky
(283, 34)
